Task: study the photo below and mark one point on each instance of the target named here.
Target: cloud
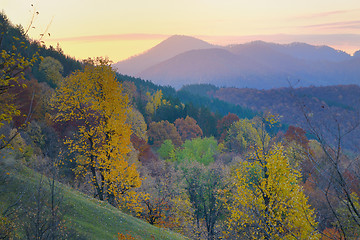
(335, 25)
(112, 37)
(325, 14)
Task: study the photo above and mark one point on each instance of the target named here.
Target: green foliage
(167, 150)
(203, 187)
(244, 134)
(52, 69)
(214, 104)
(202, 150)
(200, 89)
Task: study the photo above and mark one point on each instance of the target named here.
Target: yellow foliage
(94, 98)
(154, 102)
(268, 201)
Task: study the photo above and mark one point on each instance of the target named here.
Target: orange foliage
(331, 234)
(188, 128)
(126, 236)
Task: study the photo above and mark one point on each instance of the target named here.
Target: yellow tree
(155, 101)
(267, 201)
(95, 100)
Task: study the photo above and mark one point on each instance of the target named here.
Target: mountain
(167, 49)
(182, 60)
(301, 51)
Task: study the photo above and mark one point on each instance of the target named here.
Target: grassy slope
(91, 218)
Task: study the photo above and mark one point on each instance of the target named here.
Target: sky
(120, 29)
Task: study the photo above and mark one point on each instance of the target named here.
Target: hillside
(258, 64)
(86, 217)
(327, 106)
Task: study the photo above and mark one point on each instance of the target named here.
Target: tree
(154, 102)
(203, 189)
(224, 124)
(160, 131)
(188, 128)
(138, 124)
(52, 69)
(95, 99)
(202, 150)
(297, 135)
(245, 133)
(167, 150)
(13, 65)
(267, 201)
(336, 171)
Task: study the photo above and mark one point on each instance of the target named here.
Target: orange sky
(119, 29)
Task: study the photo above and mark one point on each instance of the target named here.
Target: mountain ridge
(181, 60)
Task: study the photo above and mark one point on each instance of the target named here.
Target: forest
(189, 161)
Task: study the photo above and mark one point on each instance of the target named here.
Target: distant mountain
(167, 49)
(297, 50)
(182, 60)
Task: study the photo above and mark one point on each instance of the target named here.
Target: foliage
(216, 105)
(167, 150)
(244, 134)
(13, 65)
(160, 131)
(137, 122)
(203, 190)
(154, 102)
(267, 201)
(188, 128)
(95, 98)
(52, 69)
(202, 150)
(224, 124)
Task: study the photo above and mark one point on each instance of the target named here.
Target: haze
(120, 29)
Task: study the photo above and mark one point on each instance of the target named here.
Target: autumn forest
(201, 162)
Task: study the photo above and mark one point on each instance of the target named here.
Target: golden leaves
(267, 197)
(94, 99)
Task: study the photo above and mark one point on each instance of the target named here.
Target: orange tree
(95, 99)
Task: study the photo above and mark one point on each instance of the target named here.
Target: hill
(87, 217)
(165, 50)
(258, 64)
(327, 106)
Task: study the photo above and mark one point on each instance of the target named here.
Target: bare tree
(339, 174)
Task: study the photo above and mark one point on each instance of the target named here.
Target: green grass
(90, 218)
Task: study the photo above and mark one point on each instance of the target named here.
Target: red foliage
(297, 134)
(188, 128)
(224, 124)
(146, 155)
(160, 131)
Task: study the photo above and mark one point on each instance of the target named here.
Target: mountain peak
(165, 50)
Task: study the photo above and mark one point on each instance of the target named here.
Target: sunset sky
(119, 29)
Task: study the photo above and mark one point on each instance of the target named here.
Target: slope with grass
(88, 217)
